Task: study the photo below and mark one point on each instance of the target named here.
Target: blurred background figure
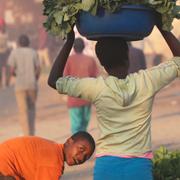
(4, 52)
(80, 65)
(43, 51)
(25, 66)
(136, 59)
(157, 59)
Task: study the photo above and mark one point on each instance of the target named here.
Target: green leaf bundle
(62, 14)
(166, 164)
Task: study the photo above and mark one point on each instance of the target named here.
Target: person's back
(79, 65)
(24, 59)
(27, 157)
(137, 59)
(25, 66)
(119, 104)
(123, 105)
(123, 102)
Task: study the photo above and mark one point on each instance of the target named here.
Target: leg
(21, 98)
(4, 68)
(0, 76)
(76, 119)
(46, 57)
(3, 76)
(40, 54)
(31, 100)
(7, 81)
(1, 68)
(86, 117)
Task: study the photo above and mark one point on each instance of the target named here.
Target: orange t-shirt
(32, 158)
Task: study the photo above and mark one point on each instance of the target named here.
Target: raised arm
(172, 42)
(60, 61)
(170, 39)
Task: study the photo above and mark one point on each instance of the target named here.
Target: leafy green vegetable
(62, 14)
(166, 164)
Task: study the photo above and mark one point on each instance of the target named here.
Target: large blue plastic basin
(131, 22)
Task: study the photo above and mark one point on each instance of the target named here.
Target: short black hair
(112, 51)
(23, 40)
(2, 177)
(83, 135)
(79, 45)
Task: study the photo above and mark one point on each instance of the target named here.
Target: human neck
(119, 72)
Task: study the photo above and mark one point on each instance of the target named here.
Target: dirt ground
(53, 122)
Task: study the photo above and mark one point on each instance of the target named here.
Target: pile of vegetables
(62, 14)
(166, 164)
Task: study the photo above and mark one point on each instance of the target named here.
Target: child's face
(77, 152)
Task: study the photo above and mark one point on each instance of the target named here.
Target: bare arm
(60, 61)
(172, 42)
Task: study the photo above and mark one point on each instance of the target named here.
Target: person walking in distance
(43, 51)
(4, 52)
(137, 60)
(24, 65)
(80, 65)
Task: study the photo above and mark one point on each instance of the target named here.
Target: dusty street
(53, 122)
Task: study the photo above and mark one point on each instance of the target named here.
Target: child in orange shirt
(35, 158)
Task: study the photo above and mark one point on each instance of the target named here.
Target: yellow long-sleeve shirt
(123, 106)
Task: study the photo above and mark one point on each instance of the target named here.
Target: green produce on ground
(61, 14)
(166, 164)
